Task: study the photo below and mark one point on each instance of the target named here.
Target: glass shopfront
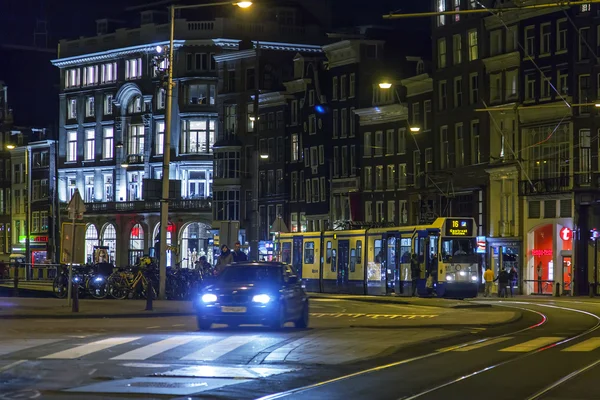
(505, 255)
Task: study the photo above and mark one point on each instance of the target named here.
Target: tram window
(333, 260)
(405, 250)
(309, 253)
(352, 260)
(391, 251)
(433, 246)
(378, 251)
(328, 254)
(286, 253)
(453, 248)
(359, 251)
(421, 251)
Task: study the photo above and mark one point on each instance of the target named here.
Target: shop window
(359, 251)
(566, 208)
(309, 253)
(534, 209)
(550, 209)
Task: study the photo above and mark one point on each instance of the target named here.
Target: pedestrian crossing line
(483, 344)
(90, 348)
(218, 349)
(533, 344)
(587, 345)
(143, 353)
(280, 354)
(13, 346)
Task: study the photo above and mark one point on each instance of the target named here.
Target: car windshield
(251, 274)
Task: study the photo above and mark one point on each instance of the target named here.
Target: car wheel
(279, 321)
(203, 324)
(302, 322)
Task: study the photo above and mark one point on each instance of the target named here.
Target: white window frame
(441, 53)
(458, 92)
(108, 104)
(71, 153)
(108, 137)
(90, 144)
(334, 123)
(562, 27)
(368, 145)
(545, 39)
(473, 40)
(133, 69)
(457, 49)
(159, 138)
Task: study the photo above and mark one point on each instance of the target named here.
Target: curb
(147, 314)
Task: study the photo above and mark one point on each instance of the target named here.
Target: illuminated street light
(415, 129)
(264, 156)
(385, 85)
(597, 105)
(159, 49)
(243, 4)
(11, 146)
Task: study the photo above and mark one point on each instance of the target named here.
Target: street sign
(76, 206)
(72, 242)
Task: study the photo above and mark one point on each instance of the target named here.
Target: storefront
(505, 254)
(549, 257)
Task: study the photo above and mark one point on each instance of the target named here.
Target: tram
(376, 261)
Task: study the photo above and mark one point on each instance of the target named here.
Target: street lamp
(164, 202)
(385, 85)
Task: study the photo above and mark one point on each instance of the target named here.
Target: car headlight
(99, 279)
(209, 298)
(261, 298)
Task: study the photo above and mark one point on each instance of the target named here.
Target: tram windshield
(459, 250)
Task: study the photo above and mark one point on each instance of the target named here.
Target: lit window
(108, 104)
(90, 144)
(160, 138)
(107, 143)
(90, 75)
(473, 48)
(198, 136)
(72, 146)
(109, 72)
(133, 68)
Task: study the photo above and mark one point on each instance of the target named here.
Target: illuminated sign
(459, 227)
(40, 239)
(566, 234)
(481, 245)
(536, 252)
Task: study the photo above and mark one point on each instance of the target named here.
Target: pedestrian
(514, 278)
(539, 277)
(429, 285)
(224, 259)
(503, 278)
(238, 254)
(415, 273)
(488, 277)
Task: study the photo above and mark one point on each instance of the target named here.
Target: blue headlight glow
(99, 279)
(261, 298)
(209, 298)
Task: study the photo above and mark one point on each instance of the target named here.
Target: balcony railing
(134, 159)
(560, 184)
(202, 205)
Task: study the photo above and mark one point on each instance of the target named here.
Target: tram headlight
(462, 273)
(449, 278)
(474, 278)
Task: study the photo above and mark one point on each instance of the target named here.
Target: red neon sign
(566, 234)
(537, 252)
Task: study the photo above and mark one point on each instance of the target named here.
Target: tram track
(440, 352)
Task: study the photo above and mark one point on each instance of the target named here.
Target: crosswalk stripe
(12, 346)
(532, 344)
(280, 354)
(218, 349)
(90, 348)
(587, 345)
(483, 344)
(153, 349)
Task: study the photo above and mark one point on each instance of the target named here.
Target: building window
(108, 104)
(308, 191)
(230, 122)
(71, 146)
(134, 185)
(334, 88)
(334, 124)
(198, 136)
(351, 122)
(379, 177)
(344, 123)
(473, 48)
(585, 156)
(391, 177)
(336, 158)
(584, 93)
(546, 88)
(389, 142)
(496, 42)
(378, 143)
(295, 147)
(428, 160)
(368, 178)
(379, 211)
(460, 145)
(90, 144)
(352, 160)
(352, 86)
(202, 94)
(294, 112)
(343, 86)
(107, 142)
(545, 39)
(445, 150)
(417, 167)
(561, 35)
(90, 109)
(368, 211)
(136, 244)
(584, 40)
(227, 165)
(344, 161)
(368, 145)
(323, 189)
(136, 140)
(458, 95)
(109, 72)
(563, 82)
(321, 154)
(457, 48)
(530, 41)
(135, 105)
(88, 195)
(159, 143)
(312, 124)
(476, 156)
(530, 87)
(315, 190)
(426, 115)
(402, 183)
(512, 39)
(90, 75)
(512, 83)
(496, 87)
(443, 96)
(456, 8)
(72, 78)
(474, 95)
(402, 141)
(441, 7)
(161, 99)
(391, 211)
(133, 68)
(72, 108)
(441, 53)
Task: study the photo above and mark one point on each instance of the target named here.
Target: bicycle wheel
(59, 287)
(145, 291)
(118, 288)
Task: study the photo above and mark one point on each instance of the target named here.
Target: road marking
(143, 353)
(12, 365)
(587, 345)
(483, 344)
(374, 316)
(152, 327)
(218, 349)
(280, 354)
(178, 325)
(90, 348)
(92, 372)
(12, 346)
(532, 344)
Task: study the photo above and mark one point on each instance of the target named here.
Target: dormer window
(298, 68)
(101, 27)
(135, 105)
(420, 67)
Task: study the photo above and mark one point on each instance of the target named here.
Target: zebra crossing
(587, 345)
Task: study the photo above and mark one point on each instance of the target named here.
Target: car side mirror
(292, 280)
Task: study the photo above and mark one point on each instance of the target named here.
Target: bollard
(149, 296)
(591, 290)
(557, 291)
(16, 284)
(75, 307)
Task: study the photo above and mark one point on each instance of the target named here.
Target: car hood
(240, 288)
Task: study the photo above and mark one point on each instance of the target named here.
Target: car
(266, 293)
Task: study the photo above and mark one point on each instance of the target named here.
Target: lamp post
(164, 202)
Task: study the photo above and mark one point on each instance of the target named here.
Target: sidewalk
(36, 308)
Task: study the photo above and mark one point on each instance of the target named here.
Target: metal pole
(256, 239)
(164, 205)
(70, 286)
(28, 268)
(595, 266)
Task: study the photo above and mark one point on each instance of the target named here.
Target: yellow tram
(376, 261)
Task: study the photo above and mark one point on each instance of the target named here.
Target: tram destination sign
(459, 227)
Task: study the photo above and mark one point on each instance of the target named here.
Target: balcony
(586, 180)
(560, 184)
(134, 159)
(201, 205)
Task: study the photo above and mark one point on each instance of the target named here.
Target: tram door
(343, 262)
(567, 274)
(391, 267)
(297, 255)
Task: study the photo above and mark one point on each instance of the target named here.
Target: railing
(561, 184)
(133, 159)
(587, 180)
(203, 205)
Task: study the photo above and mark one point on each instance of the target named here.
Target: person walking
(503, 279)
(238, 254)
(224, 259)
(488, 277)
(415, 273)
(513, 280)
(539, 277)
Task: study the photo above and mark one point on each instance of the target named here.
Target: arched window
(135, 105)
(136, 243)
(194, 243)
(420, 67)
(91, 240)
(109, 239)
(156, 242)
